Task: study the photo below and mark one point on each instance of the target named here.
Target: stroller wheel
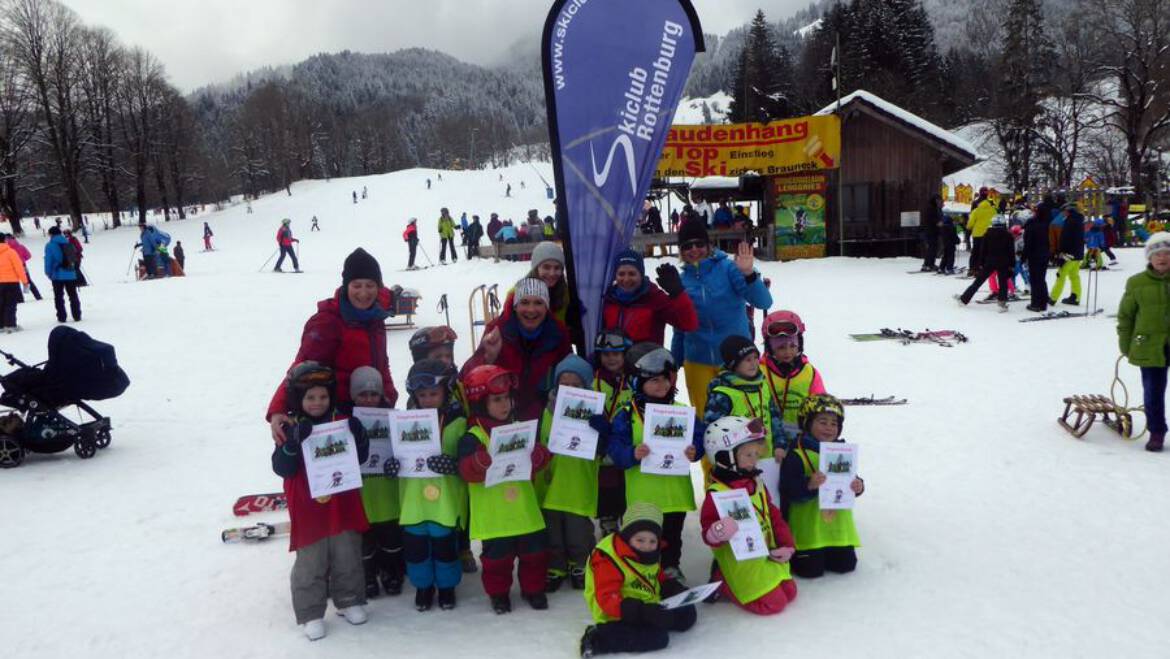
(11, 453)
(85, 449)
(101, 438)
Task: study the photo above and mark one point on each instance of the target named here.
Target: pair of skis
(873, 400)
(1057, 315)
(257, 503)
(944, 338)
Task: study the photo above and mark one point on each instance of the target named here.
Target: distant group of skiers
(498, 232)
(62, 259)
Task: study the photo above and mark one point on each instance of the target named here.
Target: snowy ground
(988, 530)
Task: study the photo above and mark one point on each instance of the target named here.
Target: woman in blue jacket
(719, 286)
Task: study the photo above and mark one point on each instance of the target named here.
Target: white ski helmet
(728, 433)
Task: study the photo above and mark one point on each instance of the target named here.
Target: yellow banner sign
(789, 146)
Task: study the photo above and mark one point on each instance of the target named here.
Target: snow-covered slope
(987, 530)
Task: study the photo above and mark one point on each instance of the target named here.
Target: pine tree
(1024, 71)
(763, 82)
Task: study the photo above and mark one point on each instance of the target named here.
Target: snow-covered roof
(908, 117)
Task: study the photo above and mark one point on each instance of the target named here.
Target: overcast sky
(208, 41)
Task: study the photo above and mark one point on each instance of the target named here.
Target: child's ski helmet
(488, 379)
(611, 340)
(814, 405)
(429, 338)
(724, 435)
(782, 323)
(429, 374)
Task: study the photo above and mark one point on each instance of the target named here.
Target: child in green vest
(609, 351)
(382, 544)
(434, 509)
(568, 488)
(824, 540)
(789, 375)
(764, 585)
(505, 517)
(438, 342)
(624, 584)
(740, 390)
(655, 373)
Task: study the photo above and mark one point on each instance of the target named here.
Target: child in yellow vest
(764, 585)
(609, 352)
(740, 389)
(655, 374)
(624, 584)
(789, 375)
(505, 517)
(435, 509)
(568, 488)
(824, 540)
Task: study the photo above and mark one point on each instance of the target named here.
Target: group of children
(353, 545)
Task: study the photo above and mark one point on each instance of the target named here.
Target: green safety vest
(568, 484)
(504, 510)
(790, 392)
(613, 403)
(639, 581)
(751, 404)
(672, 494)
(442, 499)
(752, 579)
(804, 518)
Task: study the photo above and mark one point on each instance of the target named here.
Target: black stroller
(79, 369)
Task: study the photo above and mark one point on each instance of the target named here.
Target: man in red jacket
(642, 310)
(284, 238)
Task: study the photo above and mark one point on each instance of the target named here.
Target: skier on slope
(285, 240)
(447, 237)
(207, 234)
(410, 235)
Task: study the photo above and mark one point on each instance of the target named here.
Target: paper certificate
(692, 596)
(331, 462)
(570, 433)
(748, 542)
(770, 475)
(376, 421)
(415, 436)
(667, 430)
(839, 464)
(511, 450)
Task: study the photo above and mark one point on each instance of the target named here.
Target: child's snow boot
(446, 598)
(553, 581)
(501, 604)
(354, 615)
(587, 641)
(391, 582)
(314, 629)
(577, 578)
(372, 590)
(424, 598)
(537, 601)
(1155, 443)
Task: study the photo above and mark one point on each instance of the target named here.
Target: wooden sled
(1088, 408)
(405, 304)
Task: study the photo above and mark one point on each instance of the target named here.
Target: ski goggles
(501, 384)
(693, 244)
(782, 341)
(655, 363)
(433, 336)
(427, 381)
(611, 342)
(781, 328)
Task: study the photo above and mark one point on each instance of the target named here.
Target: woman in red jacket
(642, 310)
(528, 342)
(346, 332)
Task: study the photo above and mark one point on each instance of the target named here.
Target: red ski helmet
(488, 379)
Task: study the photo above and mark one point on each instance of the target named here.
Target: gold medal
(431, 493)
(324, 499)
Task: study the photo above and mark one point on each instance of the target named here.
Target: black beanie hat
(692, 230)
(734, 348)
(360, 265)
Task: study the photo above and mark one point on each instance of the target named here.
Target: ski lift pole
(443, 307)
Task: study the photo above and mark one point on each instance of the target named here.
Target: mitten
(721, 531)
(391, 467)
(633, 611)
(600, 423)
(668, 279)
(656, 616)
(356, 427)
(443, 464)
(303, 430)
(540, 457)
(782, 554)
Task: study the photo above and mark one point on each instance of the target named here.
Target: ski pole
(444, 309)
(266, 262)
(130, 266)
(425, 255)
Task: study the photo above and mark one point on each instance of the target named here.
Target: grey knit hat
(365, 379)
(547, 251)
(530, 288)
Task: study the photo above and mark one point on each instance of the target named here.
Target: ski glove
(540, 458)
(356, 428)
(391, 467)
(669, 280)
(600, 423)
(443, 464)
(782, 554)
(721, 531)
(304, 429)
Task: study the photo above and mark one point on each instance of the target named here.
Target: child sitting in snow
(624, 584)
(655, 374)
(435, 509)
(326, 531)
(789, 375)
(506, 516)
(567, 490)
(382, 543)
(824, 540)
(760, 585)
(609, 356)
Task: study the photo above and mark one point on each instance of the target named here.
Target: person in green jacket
(1143, 332)
(382, 543)
(447, 237)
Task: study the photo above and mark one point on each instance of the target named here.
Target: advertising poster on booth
(799, 203)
